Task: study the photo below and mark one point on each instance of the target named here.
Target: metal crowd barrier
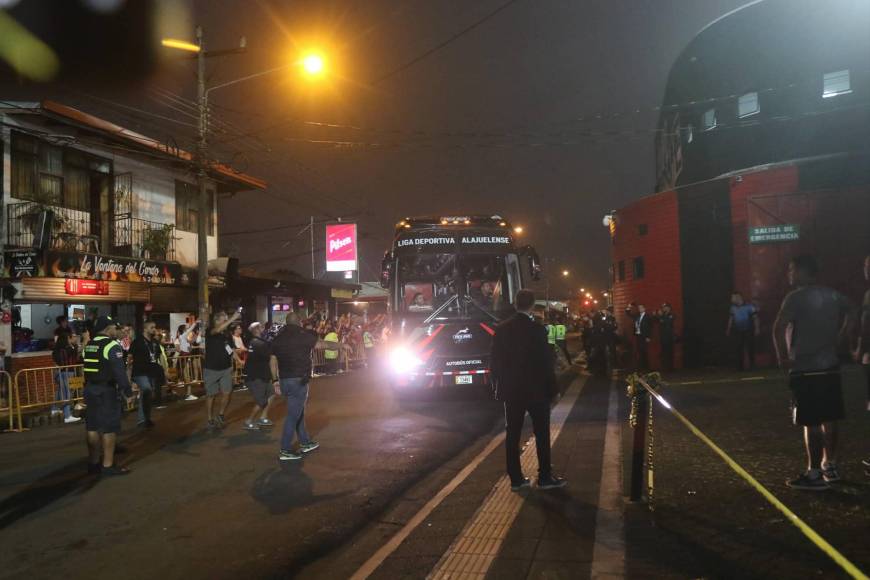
(7, 394)
(185, 371)
(41, 387)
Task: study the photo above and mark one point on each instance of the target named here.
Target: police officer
(106, 383)
(551, 333)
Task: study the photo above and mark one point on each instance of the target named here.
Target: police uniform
(105, 380)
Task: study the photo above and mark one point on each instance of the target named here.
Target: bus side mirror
(535, 269)
(386, 270)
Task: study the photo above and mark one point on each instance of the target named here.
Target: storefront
(42, 286)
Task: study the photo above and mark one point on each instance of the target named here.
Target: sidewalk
(707, 521)
(483, 530)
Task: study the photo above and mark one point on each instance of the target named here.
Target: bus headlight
(404, 361)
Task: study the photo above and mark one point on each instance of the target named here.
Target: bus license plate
(464, 379)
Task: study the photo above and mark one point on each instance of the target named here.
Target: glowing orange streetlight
(313, 64)
(518, 229)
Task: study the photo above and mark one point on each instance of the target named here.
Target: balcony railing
(76, 231)
(68, 229)
(138, 238)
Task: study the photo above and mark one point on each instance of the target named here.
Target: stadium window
(642, 229)
(638, 268)
(836, 83)
(621, 268)
(708, 119)
(747, 105)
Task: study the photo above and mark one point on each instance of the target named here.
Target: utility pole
(202, 182)
(311, 228)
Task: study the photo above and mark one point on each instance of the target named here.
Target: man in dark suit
(525, 381)
(642, 335)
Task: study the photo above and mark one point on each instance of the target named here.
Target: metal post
(311, 229)
(202, 159)
(637, 448)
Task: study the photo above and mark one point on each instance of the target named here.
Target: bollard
(638, 449)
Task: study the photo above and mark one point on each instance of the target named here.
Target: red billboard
(341, 248)
(75, 287)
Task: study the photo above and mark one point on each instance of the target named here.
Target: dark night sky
(486, 124)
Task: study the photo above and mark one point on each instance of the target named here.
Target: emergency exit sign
(773, 234)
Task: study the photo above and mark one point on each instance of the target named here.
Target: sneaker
(265, 423)
(289, 456)
(212, 425)
(308, 447)
(191, 398)
(114, 470)
(72, 419)
(806, 483)
(866, 462)
(160, 407)
(831, 474)
(221, 421)
(524, 484)
(251, 426)
(551, 482)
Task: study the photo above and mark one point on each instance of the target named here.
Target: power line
(426, 54)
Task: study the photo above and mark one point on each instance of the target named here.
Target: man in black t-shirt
(261, 371)
(217, 374)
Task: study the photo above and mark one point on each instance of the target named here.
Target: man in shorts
(217, 371)
(818, 318)
(261, 373)
(106, 382)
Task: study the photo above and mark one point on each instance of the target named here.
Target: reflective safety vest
(331, 352)
(561, 331)
(96, 359)
(368, 339)
(551, 334)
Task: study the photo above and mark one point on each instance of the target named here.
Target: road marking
(473, 551)
(387, 549)
(608, 552)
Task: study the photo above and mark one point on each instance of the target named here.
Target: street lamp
(312, 64)
(518, 229)
(566, 273)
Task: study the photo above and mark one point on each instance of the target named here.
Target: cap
(253, 325)
(102, 323)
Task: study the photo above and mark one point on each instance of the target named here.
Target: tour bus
(451, 279)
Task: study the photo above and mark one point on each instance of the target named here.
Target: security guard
(105, 383)
(331, 351)
(551, 333)
(561, 338)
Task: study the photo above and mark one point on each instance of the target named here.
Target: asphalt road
(222, 506)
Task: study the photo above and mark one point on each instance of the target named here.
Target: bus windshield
(453, 286)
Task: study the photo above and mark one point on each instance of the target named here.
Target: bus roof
(427, 222)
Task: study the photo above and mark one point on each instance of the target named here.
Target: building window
(708, 119)
(747, 105)
(54, 175)
(836, 83)
(621, 268)
(642, 229)
(187, 208)
(638, 268)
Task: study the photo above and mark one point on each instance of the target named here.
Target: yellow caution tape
(810, 533)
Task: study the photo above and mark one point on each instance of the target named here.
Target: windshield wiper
(448, 302)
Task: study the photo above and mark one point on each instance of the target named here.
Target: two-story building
(96, 219)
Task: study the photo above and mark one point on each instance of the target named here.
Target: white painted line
(608, 552)
(472, 552)
(387, 549)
